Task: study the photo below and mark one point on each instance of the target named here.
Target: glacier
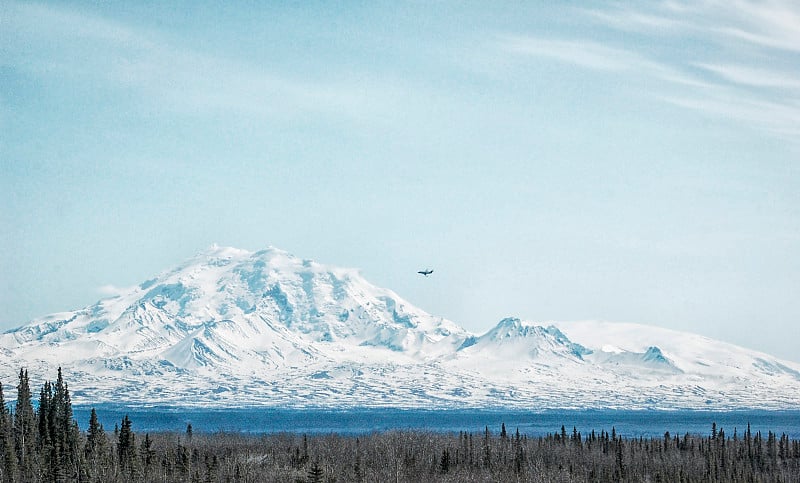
(234, 328)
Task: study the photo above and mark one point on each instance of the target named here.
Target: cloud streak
(754, 84)
(770, 24)
(50, 41)
(587, 54)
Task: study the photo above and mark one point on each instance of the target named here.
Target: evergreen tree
(126, 449)
(8, 464)
(487, 448)
(519, 456)
(147, 454)
(43, 418)
(58, 433)
(357, 471)
(65, 437)
(315, 474)
(25, 429)
(93, 435)
(444, 461)
(95, 451)
(48, 455)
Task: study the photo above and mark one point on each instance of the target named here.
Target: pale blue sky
(553, 161)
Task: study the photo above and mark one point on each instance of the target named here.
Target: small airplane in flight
(425, 272)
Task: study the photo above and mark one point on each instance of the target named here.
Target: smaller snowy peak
(651, 360)
(514, 328)
(678, 352)
(524, 338)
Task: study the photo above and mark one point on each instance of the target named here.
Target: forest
(43, 443)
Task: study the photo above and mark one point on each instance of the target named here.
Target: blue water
(360, 421)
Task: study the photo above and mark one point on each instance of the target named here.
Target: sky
(620, 161)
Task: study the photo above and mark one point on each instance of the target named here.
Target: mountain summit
(233, 328)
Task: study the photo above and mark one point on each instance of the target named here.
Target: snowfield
(236, 328)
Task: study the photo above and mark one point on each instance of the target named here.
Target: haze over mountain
(235, 328)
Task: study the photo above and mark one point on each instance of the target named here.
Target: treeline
(44, 444)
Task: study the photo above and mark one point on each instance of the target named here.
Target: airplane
(425, 272)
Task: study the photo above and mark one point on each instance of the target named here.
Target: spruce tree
(444, 461)
(8, 464)
(65, 438)
(93, 434)
(126, 449)
(315, 474)
(45, 445)
(519, 455)
(357, 470)
(25, 428)
(43, 417)
(95, 450)
(58, 433)
(147, 454)
(487, 448)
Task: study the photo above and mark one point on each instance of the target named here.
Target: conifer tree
(126, 449)
(25, 428)
(315, 473)
(444, 461)
(58, 433)
(96, 448)
(93, 434)
(7, 453)
(518, 453)
(65, 438)
(147, 454)
(357, 471)
(487, 448)
(43, 420)
(48, 456)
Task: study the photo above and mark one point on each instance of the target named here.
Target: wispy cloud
(593, 55)
(55, 41)
(756, 77)
(771, 23)
(627, 19)
(588, 54)
(779, 119)
(750, 75)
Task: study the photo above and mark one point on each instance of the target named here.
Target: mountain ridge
(230, 327)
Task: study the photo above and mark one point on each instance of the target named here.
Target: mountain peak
(218, 251)
(232, 327)
(514, 327)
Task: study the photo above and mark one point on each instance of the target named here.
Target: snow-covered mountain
(235, 328)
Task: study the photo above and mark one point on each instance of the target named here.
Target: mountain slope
(230, 327)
